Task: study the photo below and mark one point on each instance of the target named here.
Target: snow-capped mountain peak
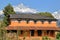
(1, 12)
(56, 14)
(22, 8)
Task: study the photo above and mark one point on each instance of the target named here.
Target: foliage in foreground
(58, 36)
(46, 38)
(7, 11)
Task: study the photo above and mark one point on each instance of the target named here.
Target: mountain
(1, 15)
(58, 22)
(57, 16)
(24, 9)
(1, 12)
(21, 8)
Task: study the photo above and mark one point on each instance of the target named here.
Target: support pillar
(55, 34)
(49, 33)
(44, 33)
(28, 33)
(35, 33)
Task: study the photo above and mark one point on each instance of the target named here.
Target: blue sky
(40, 5)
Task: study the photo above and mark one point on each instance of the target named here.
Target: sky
(40, 5)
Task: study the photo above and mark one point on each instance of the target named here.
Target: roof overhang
(31, 28)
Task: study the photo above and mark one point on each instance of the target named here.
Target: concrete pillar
(45, 33)
(42, 33)
(49, 33)
(28, 32)
(55, 34)
(35, 33)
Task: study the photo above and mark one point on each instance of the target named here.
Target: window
(39, 32)
(12, 31)
(48, 32)
(21, 32)
(52, 33)
(32, 32)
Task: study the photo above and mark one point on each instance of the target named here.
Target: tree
(46, 14)
(7, 11)
(1, 30)
(58, 36)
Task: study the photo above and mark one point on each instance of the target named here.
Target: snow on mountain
(20, 9)
(1, 15)
(23, 9)
(56, 14)
(1, 12)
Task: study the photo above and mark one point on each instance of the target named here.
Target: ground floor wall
(35, 34)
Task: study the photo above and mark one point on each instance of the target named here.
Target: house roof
(30, 16)
(31, 28)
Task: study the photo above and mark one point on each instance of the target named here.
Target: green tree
(7, 11)
(58, 36)
(0, 30)
(46, 14)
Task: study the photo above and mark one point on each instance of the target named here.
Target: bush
(45, 38)
(58, 36)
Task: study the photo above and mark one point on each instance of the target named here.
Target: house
(35, 25)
